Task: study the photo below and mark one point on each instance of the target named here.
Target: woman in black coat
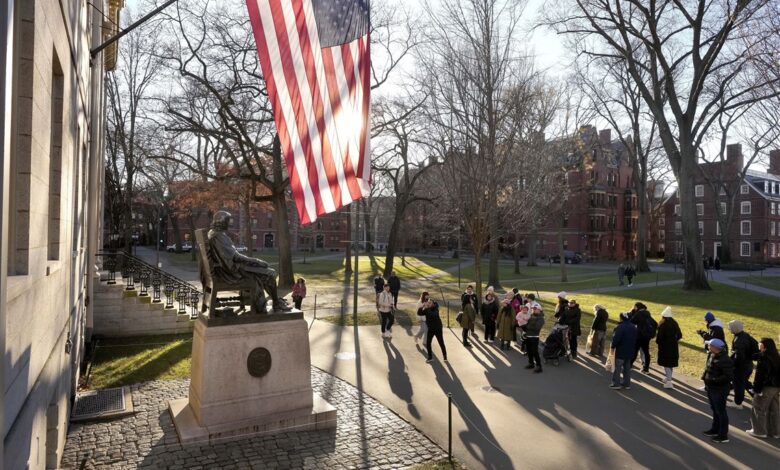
(669, 334)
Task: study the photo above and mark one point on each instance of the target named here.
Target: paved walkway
(507, 417)
(725, 277)
(368, 435)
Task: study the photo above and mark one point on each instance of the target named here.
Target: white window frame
(678, 228)
(700, 209)
(701, 228)
(772, 208)
(699, 190)
(723, 208)
(722, 191)
(742, 246)
(772, 228)
(717, 228)
(742, 230)
(662, 222)
(744, 189)
(676, 209)
(745, 205)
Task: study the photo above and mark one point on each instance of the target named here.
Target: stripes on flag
(320, 96)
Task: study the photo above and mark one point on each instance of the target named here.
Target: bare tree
(692, 62)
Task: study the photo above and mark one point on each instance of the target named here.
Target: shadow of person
(398, 378)
(477, 438)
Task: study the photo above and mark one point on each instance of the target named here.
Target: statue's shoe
(282, 306)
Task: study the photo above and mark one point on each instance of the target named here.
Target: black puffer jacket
(600, 320)
(489, 311)
(432, 318)
(719, 371)
(571, 317)
(742, 351)
(767, 375)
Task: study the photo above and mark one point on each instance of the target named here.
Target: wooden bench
(247, 288)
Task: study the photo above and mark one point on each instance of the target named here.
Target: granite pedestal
(250, 375)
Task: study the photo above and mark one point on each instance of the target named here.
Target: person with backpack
(765, 415)
(668, 338)
(743, 348)
(646, 330)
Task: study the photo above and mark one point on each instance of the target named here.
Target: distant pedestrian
(572, 317)
(423, 325)
(385, 306)
(563, 303)
(714, 329)
(299, 292)
(506, 323)
(743, 348)
(533, 328)
(717, 264)
(489, 312)
(395, 287)
(621, 274)
(598, 330)
(379, 285)
(765, 416)
(622, 349)
(668, 338)
(469, 296)
(430, 316)
(630, 273)
(717, 375)
(467, 320)
(647, 328)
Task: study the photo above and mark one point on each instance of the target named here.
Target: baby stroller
(556, 345)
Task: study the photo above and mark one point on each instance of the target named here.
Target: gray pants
(597, 345)
(765, 414)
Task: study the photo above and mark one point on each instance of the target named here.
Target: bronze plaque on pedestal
(259, 362)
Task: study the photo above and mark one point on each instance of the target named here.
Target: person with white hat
(718, 374)
(668, 337)
(563, 304)
(743, 348)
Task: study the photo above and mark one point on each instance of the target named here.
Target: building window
(661, 235)
(772, 208)
(678, 228)
(723, 208)
(701, 228)
(743, 189)
(699, 209)
(699, 190)
(661, 222)
(676, 209)
(772, 228)
(717, 227)
(744, 227)
(757, 247)
(744, 249)
(55, 159)
(722, 191)
(744, 207)
(772, 250)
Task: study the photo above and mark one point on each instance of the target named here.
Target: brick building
(755, 226)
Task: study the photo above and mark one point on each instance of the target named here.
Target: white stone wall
(45, 305)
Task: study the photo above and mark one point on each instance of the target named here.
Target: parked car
(571, 257)
(186, 247)
(241, 248)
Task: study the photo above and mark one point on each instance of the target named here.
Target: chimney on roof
(774, 162)
(605, 136)
(734, 155)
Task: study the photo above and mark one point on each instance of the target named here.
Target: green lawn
(769, 282)
(331, 271)
(760, 314)
(403, 318)
(442, 464)
(125, 361)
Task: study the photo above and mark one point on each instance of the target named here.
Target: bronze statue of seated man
(232, 266)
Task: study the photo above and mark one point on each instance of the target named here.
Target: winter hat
(667, 313)
(562, 295)
(715, 342)
(708, 317)
(624, 316)
(536, 305)
(598, 307)
(735, 326)
(490, 289)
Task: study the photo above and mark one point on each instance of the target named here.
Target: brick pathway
(368, 435)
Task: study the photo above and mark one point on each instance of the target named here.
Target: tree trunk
(493, 279)
(530, 241)
(348, 249)
(725, 243)
(562, 254)
(392, 243)
(641, 228)
(279, 200)
(478, 274)
(367, 225)
(695, 277)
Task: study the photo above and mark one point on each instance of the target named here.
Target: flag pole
(355, 271)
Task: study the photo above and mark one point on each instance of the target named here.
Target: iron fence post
(449, 425)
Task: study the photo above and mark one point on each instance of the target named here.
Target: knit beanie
(709, 317)
(735, 326)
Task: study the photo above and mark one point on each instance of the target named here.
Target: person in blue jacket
(623, 345)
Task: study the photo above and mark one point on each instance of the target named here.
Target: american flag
(315, 58)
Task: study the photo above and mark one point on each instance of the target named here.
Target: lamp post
(159, 241)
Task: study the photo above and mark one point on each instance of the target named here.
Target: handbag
(589, 342)
(459, 318)
(610, 364)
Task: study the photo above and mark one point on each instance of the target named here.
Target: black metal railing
(147, 279)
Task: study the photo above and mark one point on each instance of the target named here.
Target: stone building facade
(755, 219)
(52, 172)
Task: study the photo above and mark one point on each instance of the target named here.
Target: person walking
(506, 323)
(667, 339)
(385, 306)
(622, 349)
(395, 287)
(532, 329)
(718, 373)
(630, 273)
(714, 329)
(646, 330)
(299, 292)
(429, 312)
(598, 330)
(467, 320)
(765, 415)
(379, 285)
(423, 319)
(489, 312)
(572, 317)
(743, 348)
(621, 274)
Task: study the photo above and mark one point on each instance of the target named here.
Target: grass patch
(442, 464)
(768, 282)
(760, 314)
(403, 318)
(125, 361)
(332, 271)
